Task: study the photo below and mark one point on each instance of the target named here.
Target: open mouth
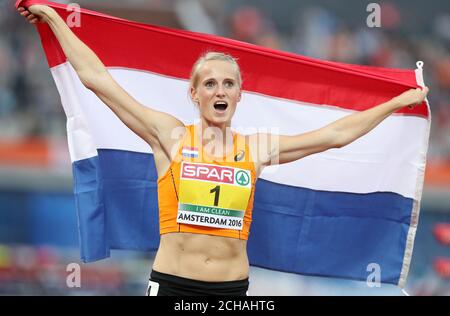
(220, 105)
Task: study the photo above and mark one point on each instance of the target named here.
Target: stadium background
(38, 228)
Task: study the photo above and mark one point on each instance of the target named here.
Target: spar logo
(207, 172)
(214, 173)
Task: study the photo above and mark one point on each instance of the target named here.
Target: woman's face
(217, 92)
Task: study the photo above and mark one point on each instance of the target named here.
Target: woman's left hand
(412, 97)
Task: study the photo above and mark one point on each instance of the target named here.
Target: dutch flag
(190, 152)
(330, 214)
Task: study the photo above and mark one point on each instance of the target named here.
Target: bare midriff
(202, 257)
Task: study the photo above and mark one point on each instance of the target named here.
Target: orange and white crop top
(206, 195)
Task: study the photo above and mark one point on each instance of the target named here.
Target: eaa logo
(207, 172)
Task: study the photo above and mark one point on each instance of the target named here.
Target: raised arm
(151, 125)
(283, 149)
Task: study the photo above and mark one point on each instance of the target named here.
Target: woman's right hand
(34, 13)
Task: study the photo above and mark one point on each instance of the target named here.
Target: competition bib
(213, 195)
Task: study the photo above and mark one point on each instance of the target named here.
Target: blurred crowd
(30, 105)
(45, 270)
(29, 102)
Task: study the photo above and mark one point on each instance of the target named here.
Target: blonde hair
(213, 56)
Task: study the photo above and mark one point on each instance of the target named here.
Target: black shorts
(162, 284)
